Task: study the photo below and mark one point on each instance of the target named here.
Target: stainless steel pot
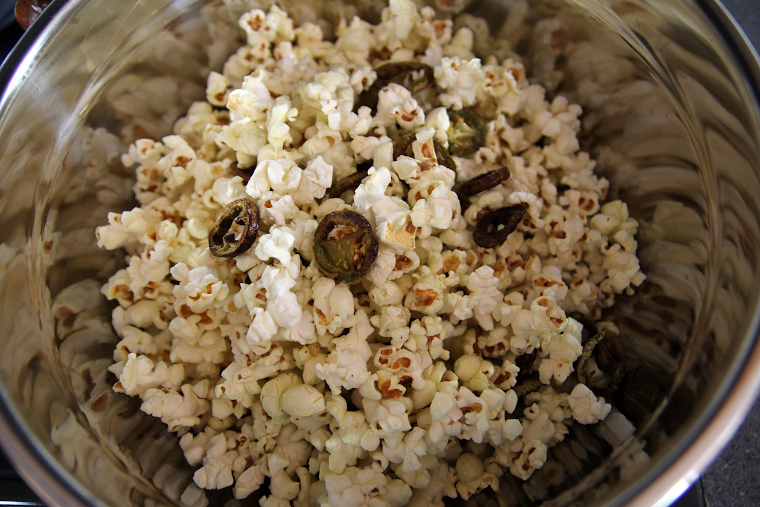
(670, 92)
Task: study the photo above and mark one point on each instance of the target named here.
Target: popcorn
(346, 366)
(394, 223)
(217, 88)
(563, 350)
(400, 389)
(333, 306)
(484, 296)
(248, 482)
(586, 408)
(472, 477)
(227, 190)
(272, 27)
(354, 485)
(315, 180)
(175, 409)
(276, 245)
(473, 372)
(532, 457)
(216, 472)
(427, 293)
(459, 78)
(373, 189)
(140, 374)
(282, 304)
(303, 401)
(396, 105)
(274, 390)
(199, 288)
(281, 176)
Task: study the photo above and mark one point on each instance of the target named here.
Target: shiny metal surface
(68, 457)
(680, 125)
(739, 399)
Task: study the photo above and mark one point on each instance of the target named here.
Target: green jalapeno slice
(345, 246)
(236, 229)
(467, 132)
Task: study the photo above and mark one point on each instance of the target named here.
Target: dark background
(732, 481)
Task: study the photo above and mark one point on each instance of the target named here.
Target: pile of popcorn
(398, 390)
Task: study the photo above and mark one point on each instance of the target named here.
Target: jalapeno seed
(492, 230)
(345, 246)
(467, 132)
(236, 229)
(484, 182)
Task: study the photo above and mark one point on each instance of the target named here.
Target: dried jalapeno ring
(525, 363)
(589, 328)
(492, 230)
(610, 357)
(640, 391)
(527, 386)
(243, 173)
(345, 246)
(414, 76)
(484, 182)
(349, 182)
(607, 348)
(467, 132)
(403, 146)
(236, 229)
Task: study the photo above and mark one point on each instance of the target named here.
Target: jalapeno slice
(345, 246)
(349, 182)
(525, 363)
(527, 386)
(467, 132)
(484, 182)
(607, 348)
(492, 230)
(236, 229)
(243, 173)
(414, 76)
(589, 327)
(403, 146)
